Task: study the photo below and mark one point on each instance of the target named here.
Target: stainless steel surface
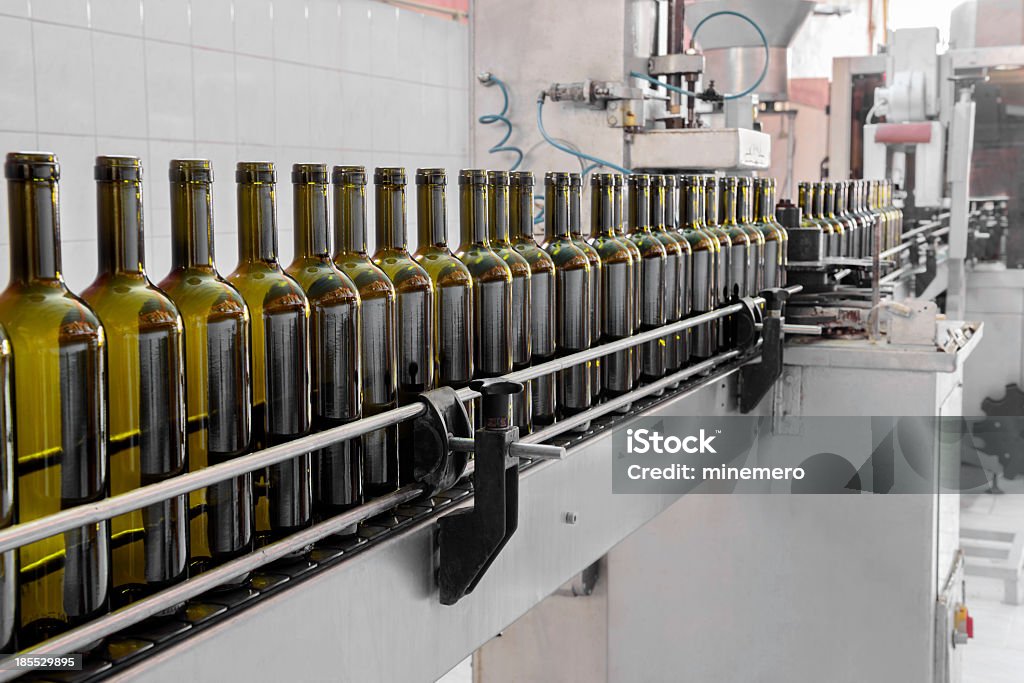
(377, 616)
(780, 20)
(675, 64)
(737, 68)
(705, 149)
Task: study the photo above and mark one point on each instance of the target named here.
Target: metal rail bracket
(435, 465)
(757, 379)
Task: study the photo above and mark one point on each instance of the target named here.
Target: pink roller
(903, 133)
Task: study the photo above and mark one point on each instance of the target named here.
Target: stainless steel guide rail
(80, 638)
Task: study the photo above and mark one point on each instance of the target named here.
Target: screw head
(571, 517)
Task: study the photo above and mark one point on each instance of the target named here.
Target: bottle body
(745, 218)
(723, 281)
(651, 280)
(576, 233)
(704, 249)
(8, 502)
(773, 234)
(677, 253)
(58, 347)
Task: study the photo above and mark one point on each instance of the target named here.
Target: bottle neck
(692, 215)
(119, 216)
(350, 218)
(473, 213)
(657, 211)
(710, 200)
(763, 203)
(671, 208)
(257, 222)
(617, 225)
(556, 211)
(744, 203)
(728, 214)
(34, 220)
(431, 216)
(310, 212)
(499, 211)
(829, 201)
(191, 224)
(575, 212)
(521, 211)
(602, 210)
(391, 228)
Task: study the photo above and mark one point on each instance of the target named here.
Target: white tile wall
(336, 81)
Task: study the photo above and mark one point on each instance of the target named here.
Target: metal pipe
(516, 448)
(76, 640)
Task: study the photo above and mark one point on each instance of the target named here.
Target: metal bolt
(484, 76)
(570, 517)
(612, 120)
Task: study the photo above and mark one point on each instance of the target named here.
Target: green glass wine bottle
(498, 188)
(867, 218)
(572, 294)
(618, 282)
(492, 280)
(673, 266)
(543, 302)
(622, 234)
(664, 222)
(218, 399)
(453, 285)
(674, 226)
(59, 348)
(280, 356)
(704, 249)
(822, 196)
(745, 219)
(576, 233)
(653, 264)
(806, 200)
(379, 352)
(837, 211)
(334, 335)
(771, 205)
(145, 389)
(712, 225)
(773, 234)
(8, 502)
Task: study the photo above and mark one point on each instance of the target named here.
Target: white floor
(996, 654)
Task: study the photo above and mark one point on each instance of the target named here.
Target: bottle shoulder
(267, 287)
(370, 281)
(538, 259)
(649, 245)
(699, 240)
(31, 312)
(203, 292)
(519, 266)
(322, 282)
(611, 249)
(484, 265)
(403, 270)
(129, 301)
(565, 254)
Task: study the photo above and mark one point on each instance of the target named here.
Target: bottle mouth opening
(348, 175)
(472, 176)
(639, 180)
(190, 171)
(431, 176)
(31, 166)
(603, 180)
(309, 173)
(117, 168)
(389, 175)
(521, 179)
(557, 179)
(255, 172)
(498, 178)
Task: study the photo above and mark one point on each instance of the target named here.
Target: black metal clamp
(756, 379)
(469, 540)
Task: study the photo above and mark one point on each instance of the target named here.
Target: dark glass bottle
(618, 281)
(808, 193)
(576, 233)
(335, 323)
(492, 281)
(853, 208)
(673, 224)
(543, 303)
(677, 253)
(280, 355)
(498, 183)
(746, 221)
(453, 285)
(724, 284)
(770, 207)
(868, 218)
(218, 396)
(740, 251)
(379, 350)
(8, 502)
(822, 198)
(704, 249)
(651, 282)
(145, 389)
(60, 409)
(622, 234)
(773, 233)
(572, 294)
(851, 229)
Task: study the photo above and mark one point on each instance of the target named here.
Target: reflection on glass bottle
(522, 310)
(724, 280)
(59, 351)
(704, 249)
(334, 344)
(492, 280)
(807, 200)
(576, 233)
(837, 211)
(856, 210)
(379, 351)
(740, 252)
(674, 265)
(684, 292)
(651, 282)
(280, 355)
(773, 233)
(822, 197)
(453, 285)
(572, 295)
(617, 320)
(543, 302)
(745, 219)
(8, 503)
(415, 303)
(145, 389)
(621, 233)
(217, 383)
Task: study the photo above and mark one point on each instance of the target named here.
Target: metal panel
(377, 616)
(702, 149)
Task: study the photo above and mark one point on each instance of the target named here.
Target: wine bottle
(774, 235)
(822, 197)
(280, 356)
(771, 206)
(853, 207)
(492, 280)
(740, 252)
(543, 303)
(498, 183)
(58, 347)
(622, 235)
(709, 199)
(745, 219)
(379, 350)
(850, 224)
(217, 382)
(572, 295)
(651, 282)
(673, 224)
(335, 319)
(617, 320)
(676, 258)
(576, 234)
(414, 300)
(145, 389)
(8, 502)
(704, 249)
(453, 285)
(808, 192)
